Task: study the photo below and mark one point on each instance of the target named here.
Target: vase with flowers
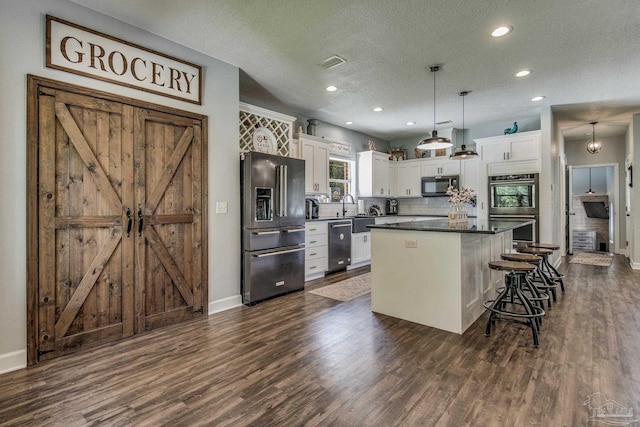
(458, 200)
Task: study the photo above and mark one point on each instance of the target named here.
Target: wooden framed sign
(88, 53)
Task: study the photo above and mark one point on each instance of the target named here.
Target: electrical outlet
(410, 243)
(221, 207)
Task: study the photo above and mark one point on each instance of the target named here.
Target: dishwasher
(339, 245)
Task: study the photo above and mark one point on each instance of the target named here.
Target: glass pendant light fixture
(463, 153)
(594, 146)
(434, 142)
(590, 190)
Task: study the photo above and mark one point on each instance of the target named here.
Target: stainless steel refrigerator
(273, 214)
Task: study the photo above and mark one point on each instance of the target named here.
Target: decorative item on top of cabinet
(396, 154)
(512, 129)
(280, 125)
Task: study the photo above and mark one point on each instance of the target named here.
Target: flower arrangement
(458, 200)
(459, 197)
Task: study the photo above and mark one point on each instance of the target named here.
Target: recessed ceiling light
(537, 98)
(377, 109)
(348, 123)
(411, 123)
(523, 73)
(331, 88)
(501, 31)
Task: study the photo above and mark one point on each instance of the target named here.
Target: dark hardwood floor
(303, 359)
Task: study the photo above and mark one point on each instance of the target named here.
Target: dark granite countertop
(376, 216)
(443, 225)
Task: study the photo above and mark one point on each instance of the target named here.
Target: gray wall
(22, 52)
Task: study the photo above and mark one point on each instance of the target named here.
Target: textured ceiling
(585, 57)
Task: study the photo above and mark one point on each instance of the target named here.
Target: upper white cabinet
(438, 167)
(393, 179)
(373, 174)
(409, 174)
(316, 156)
(519, 146)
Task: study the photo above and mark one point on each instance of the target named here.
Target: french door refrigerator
(273, 215)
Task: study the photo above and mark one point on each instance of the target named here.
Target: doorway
(116, 218)
(592, 202)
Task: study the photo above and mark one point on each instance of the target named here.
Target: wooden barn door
(116, 220)
(168, 177)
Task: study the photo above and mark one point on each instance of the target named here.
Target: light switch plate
(221, 207)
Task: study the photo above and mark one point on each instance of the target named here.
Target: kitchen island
(435, 273)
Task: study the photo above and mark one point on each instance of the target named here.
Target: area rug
(347, 289)
(590, 258)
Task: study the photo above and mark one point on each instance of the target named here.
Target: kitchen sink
(360, 223)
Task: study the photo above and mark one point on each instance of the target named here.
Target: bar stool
(544, 277)
(550, 269)
(539, 294)
(512, 295)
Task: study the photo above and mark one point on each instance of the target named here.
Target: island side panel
(421, 284)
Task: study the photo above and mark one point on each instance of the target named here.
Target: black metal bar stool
(512, 304)
(543, 276)
(538, 294)
(550, 269)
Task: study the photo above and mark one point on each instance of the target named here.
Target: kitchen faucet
(353, 202)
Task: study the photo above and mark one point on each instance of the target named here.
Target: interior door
(115, 218)
(85, 270)
(569, 208)
(168, 192)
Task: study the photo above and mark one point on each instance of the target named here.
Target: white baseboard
(225, 304)
(13, 361)
(359, 264)
(634, 265)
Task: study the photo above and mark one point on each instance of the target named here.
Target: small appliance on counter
(361, 210)
(375, 210)
(312, 209)
(392, 207)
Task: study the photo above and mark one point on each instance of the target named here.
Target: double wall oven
(515, 198)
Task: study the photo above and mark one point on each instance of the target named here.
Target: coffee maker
(392, 207)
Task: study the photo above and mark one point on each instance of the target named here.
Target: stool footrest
(537, 311)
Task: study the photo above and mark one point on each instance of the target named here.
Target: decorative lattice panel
(250, 121)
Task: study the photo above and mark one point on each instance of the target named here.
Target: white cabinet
(316, 156)
(440, 167)
(316, 249)
(393, 179)
(506, 154)
(360, 249)
(473, 175)
(409, 174)
(373, 174)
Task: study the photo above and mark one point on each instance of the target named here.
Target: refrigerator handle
(285, 189)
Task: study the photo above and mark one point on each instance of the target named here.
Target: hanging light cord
(463, 140)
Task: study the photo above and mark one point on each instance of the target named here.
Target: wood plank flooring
(303, 359)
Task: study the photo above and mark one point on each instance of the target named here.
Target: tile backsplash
(438, 206)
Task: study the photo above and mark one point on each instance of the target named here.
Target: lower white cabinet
(360, 249)
(316, 249)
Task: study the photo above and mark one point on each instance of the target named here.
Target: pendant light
(463, 153)
(590, 190)
(434, 142)
(594, 146)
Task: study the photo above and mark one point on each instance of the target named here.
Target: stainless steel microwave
(436, 186)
